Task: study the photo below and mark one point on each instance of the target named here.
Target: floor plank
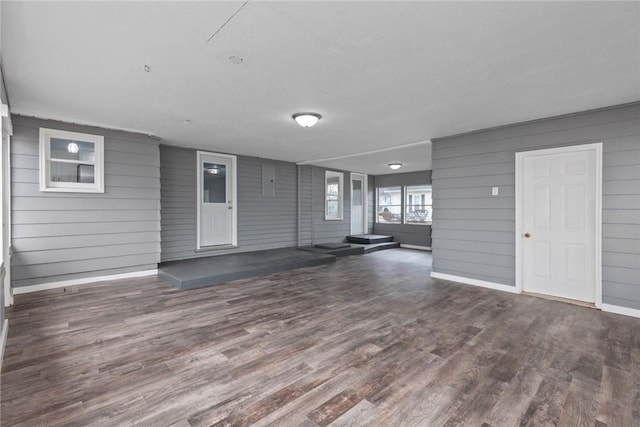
(370, 340)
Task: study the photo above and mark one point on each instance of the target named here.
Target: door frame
(519, 193)
(234, 198)
(365, 204)
(6, 130)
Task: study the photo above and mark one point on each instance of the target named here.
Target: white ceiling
(382, 74)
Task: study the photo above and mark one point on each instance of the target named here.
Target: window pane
(72, 172)
(214, 183)
(67, 149)
(333, 195)
(390, 204)
(357, 193)
(419, 204)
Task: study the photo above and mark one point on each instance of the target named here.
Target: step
(199, 272)
(337, 252)
(373, 247)
(367, 239)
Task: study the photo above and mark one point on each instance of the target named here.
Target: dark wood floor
(369, 340)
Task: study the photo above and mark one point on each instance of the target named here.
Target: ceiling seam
(227, 21)
(364, 153)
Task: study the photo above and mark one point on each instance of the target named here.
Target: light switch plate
(494, 191)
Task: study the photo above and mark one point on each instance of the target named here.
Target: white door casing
(358, 203)
(5, 195)
(216, 201)
(558, 222)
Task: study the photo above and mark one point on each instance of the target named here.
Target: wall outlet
(494, 191)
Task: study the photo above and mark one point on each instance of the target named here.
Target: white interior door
(559, 212)
(358, 203)
(216, 200)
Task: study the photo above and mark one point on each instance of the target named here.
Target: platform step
(367, 239)
(337, 252)
(196, 273)
(373, 247)
(332, 246)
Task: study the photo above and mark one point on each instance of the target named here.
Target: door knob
(527, 235)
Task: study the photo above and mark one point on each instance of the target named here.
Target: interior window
(333, 195)
(390, 204)
(71, 161)
(418, 208)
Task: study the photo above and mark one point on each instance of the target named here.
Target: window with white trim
(418, 207)
(71, 161)
(390, 205)
(333, 184)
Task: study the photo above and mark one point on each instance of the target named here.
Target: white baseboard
(3, 339)
(626, 311)
(420, 248)
(83, 281)
(474, 282)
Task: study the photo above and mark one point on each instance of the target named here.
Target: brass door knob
(527, 235)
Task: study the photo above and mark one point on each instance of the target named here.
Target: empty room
(320, 213)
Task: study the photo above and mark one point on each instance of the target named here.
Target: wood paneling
(313, 227)
(63, 236)
(466, 217)
(369, 341)
(408, 234)
(264, 222)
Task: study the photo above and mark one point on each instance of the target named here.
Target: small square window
(71, 161)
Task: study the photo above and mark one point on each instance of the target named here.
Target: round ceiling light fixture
(395, 166)
(306, 120)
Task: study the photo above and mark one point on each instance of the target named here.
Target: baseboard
(420, 248)
(474, 282)
(3, 339)
(626, 311)
(85, 280)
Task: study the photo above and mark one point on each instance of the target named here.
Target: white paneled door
(358, 203)
(558, 211)
(216, 200)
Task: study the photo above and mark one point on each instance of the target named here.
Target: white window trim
(405, 204)
(70, 187)
(340, 176)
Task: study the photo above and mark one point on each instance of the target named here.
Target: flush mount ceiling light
(72, 148)
(395, 166)
(213, 171)
(306, 120)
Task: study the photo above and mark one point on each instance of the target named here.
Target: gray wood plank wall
(371, 203)
(305, 200)
(408, 234)
(314, 227)
(64, 236)
(264, 222)
(474, 233)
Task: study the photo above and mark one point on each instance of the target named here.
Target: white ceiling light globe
(306, 120)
